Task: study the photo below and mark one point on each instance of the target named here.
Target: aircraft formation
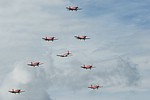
(66, 54)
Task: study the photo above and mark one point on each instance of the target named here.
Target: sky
(118, 47)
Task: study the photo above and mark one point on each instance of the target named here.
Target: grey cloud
(120, 73)
(123, 73)
(130, 70)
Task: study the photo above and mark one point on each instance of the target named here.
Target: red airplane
(75, 8)
(95, 87)
(65, 54)
(81, 37)
(35, 64)
(87, 67)
(16, 91)
(49, 38)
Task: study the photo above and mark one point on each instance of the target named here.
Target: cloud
(110, 24)
(31, 80)
(119, 74)
(128, 72)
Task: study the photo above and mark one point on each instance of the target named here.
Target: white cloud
(24, 23)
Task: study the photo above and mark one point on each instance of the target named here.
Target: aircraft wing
(60, 55)
(79, 9)
(10, 91)
(67, 8)
(29, 64)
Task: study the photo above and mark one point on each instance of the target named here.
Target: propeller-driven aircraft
(75, 8)
(49, 38)
(34, 64)
(16, 91)
(65, 54)
(87, 67)
(81, 37)
(95, 87)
